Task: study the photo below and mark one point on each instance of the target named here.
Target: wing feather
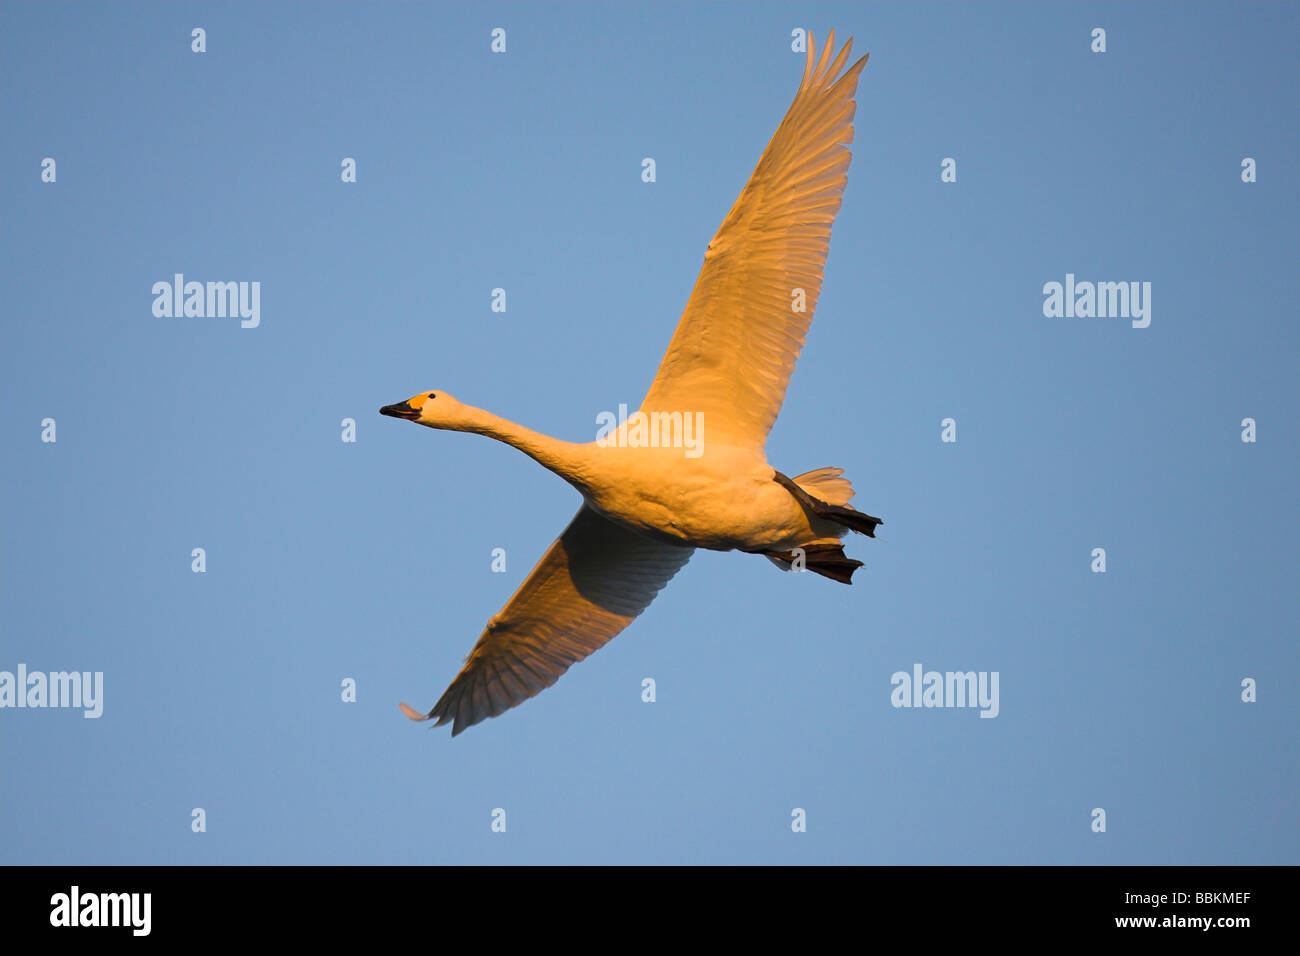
(735, 347)
(592, 582)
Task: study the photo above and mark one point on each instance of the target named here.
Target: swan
(647, 505)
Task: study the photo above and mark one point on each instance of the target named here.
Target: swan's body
(646, 508)
(725, 500)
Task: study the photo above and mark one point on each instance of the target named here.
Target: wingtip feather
(825, 57)
(808, 62)
(411, 712)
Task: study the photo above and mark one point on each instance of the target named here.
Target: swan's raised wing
(736, 344)
(593, 582)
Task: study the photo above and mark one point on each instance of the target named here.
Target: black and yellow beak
(400, 410)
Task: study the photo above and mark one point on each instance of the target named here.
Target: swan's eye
(432, 396)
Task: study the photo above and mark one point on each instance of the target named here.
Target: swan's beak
(400, 410)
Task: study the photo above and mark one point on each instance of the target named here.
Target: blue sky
(371, 560)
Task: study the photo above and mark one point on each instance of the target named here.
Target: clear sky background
(371, 560)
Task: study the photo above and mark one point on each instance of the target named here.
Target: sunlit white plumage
(647, 508)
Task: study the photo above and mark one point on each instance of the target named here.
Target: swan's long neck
(569, 460)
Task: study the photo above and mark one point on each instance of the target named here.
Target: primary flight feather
(646, 507)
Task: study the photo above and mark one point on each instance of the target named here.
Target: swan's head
(435, 409)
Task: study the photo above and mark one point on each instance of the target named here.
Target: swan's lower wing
(592, 582)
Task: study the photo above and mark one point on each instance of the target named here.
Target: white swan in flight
(645, 508)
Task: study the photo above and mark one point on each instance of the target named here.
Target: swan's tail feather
(826, 484)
